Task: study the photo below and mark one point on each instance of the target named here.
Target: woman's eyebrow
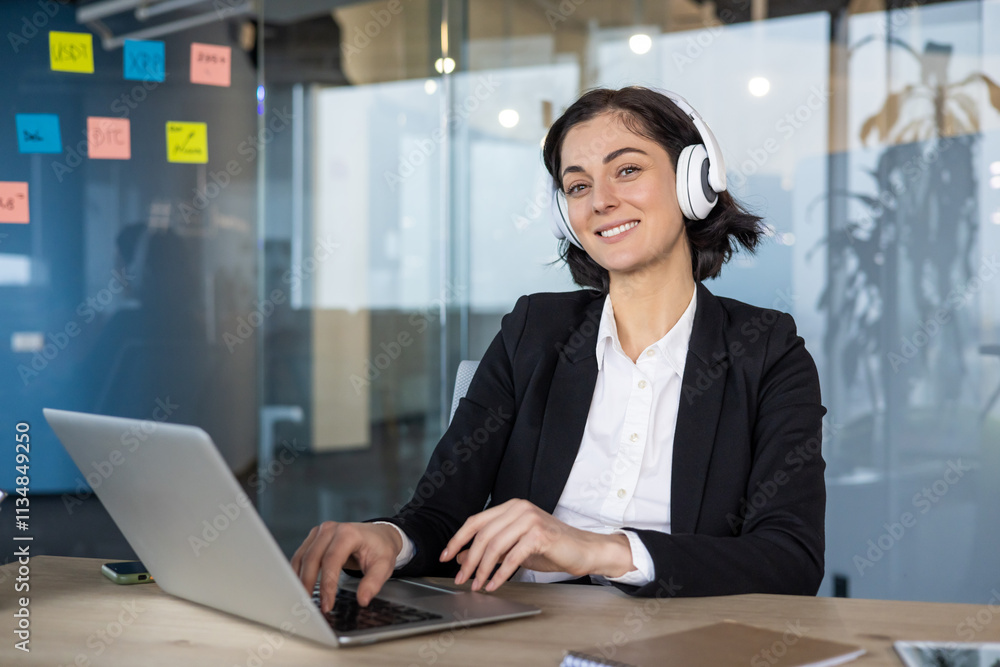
(607, 158)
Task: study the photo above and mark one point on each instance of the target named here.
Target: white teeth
(619, 229)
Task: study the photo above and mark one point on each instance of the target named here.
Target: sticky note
(108, 138)
(13, 202)
(210, 64)
(38, 133)
(187, 142)
(144, 60)
(71, 52)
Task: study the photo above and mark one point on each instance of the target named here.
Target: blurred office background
(390, 204)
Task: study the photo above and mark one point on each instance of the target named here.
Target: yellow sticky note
(71, 52)
(187, 142)
(14, 202)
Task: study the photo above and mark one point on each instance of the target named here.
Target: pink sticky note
(108, 138)
(210, 64)
(13, 202)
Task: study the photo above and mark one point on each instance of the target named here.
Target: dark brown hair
(654, 116)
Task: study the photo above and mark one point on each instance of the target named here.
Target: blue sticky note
(144, 60)
(38, 133)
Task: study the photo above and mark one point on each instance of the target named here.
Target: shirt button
(621, 493)
(650, 353)
(634, 437)
(642, 384)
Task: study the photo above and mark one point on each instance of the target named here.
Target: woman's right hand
(331, 546)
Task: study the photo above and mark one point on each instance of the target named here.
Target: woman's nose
(603, 197)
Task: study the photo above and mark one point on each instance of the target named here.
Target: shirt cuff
(644, 570)
(407, 552)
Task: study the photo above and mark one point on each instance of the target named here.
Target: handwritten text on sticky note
(71, 51)
(187, 142)
(38, 133)
(211, 64)
(144, 60)
(108, 138)
(13, 202)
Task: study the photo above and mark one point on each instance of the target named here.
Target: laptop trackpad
(400, 590)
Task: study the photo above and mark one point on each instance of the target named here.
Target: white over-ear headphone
(701, 175)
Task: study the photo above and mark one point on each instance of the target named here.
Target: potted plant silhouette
(904, 336)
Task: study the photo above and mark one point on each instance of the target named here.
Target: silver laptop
(169, 491)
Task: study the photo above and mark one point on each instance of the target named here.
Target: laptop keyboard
(347, 614)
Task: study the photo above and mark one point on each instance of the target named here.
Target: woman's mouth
(619, 230)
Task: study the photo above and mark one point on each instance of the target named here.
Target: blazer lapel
(702, 390)
(566, 410)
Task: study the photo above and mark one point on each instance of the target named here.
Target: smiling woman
(643, 411)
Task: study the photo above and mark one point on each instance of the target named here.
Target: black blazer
(748, 495)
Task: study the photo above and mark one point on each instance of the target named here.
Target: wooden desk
(79, 617)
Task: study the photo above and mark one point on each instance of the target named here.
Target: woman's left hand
(517, 533)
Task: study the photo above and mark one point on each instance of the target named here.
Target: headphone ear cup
(692, 183)
(558, 222)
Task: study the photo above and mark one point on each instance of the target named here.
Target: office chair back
(466, 369)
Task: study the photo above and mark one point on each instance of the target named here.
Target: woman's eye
(628, 169)
(574, 188)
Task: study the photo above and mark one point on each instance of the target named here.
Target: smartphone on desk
(127, 572)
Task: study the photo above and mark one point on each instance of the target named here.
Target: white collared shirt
(621, 475)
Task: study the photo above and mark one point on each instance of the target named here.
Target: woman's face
(621, 197)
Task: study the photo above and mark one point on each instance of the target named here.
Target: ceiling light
(509, 118)
(640, 43)
(444, 65)
(759, 86)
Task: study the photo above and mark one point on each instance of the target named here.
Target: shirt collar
(673, 346)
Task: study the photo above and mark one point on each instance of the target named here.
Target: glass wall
(134, 250)
(866, 138)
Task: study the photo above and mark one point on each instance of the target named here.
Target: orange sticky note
(71, 52)
(211, 64)
(108, 138)
(13, 202)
